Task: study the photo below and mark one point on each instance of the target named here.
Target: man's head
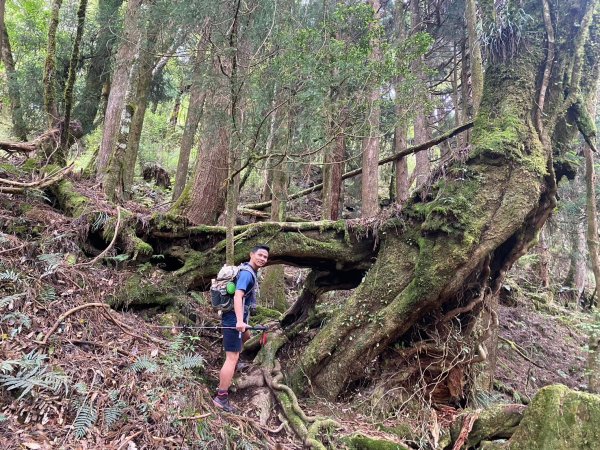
(259, 256)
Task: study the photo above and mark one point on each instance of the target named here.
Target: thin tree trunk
(577, 274)
(544, 259)
(64, 138)
(592, 222)
(174, 118)
(139, 98)
(50, 67)
(124, 62)
(421, 130)
(475, 54)
(371, 143)
(98, 71)
(19, 127)
(197, 99)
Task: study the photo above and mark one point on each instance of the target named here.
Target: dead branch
(517, 349)
(18, 187)
(200, 416)
(353, 173)
(64, 315)
(112, 242)
(18, 147)
(98, 344)
(465, 430)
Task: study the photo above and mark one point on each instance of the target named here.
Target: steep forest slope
(77, 374)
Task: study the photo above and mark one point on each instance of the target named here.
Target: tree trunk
(203, 200)
(139, 99)
(98, 70)
(421, 130)
(197, 98)
(577, 275)
(448, 260)
(65, 139)
(371, 143)
(50, 67)
(475, 54)
(124, 62)
(19, 128)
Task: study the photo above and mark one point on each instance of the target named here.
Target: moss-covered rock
(143, 291)
(272, 288)
(497, 421)
(559, 418)
(361, 442)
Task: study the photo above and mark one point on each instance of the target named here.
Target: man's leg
(228, 369)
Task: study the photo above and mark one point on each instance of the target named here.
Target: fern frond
(4, 302)
(18, 320)
(113, 413)
(144, 363)
(81, 388)
(52, 261)
(192, 362)
(177, 343)
(85, 419)
(48, 295)
(9, 275)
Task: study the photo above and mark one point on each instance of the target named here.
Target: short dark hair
(259, 247)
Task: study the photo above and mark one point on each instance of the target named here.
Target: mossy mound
(361, 442)
(559, 418)
(495, 422)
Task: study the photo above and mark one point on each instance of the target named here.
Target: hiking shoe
(223, 403)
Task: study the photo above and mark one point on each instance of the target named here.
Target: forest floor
(77, 375)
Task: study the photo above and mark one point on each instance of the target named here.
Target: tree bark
(371, 143)
(124, 62)
(65, 139)
(197, 99)
(19, 127)
(435, 258)
(50, 67)
(98, 71)
(420, 127)
(475, 54)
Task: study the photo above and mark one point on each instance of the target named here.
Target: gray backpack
(222, 288)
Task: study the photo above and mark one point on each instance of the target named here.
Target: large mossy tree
(427, 275)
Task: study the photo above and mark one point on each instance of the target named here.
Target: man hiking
(234, 322)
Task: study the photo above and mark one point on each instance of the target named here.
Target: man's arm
(238, 307)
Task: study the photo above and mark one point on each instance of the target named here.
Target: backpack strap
(248, 268)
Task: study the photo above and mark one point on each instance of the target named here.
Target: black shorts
(232, 338)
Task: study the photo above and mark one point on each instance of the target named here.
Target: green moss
(402, 430)
(73, 203)
(272, 288)
(559, 419)
(138, 292)
(361, 442)
(263, 315)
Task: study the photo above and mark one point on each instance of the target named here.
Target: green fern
(177, 343)
(191, 362)
(32, 373)
(9, 276)
(52, 261)
(81, 388)
(85, 419)
(48, 295)
(113, 413)
(144, 363)
(17, 320)
(4, 302)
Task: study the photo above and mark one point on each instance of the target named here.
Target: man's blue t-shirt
(245, 282)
